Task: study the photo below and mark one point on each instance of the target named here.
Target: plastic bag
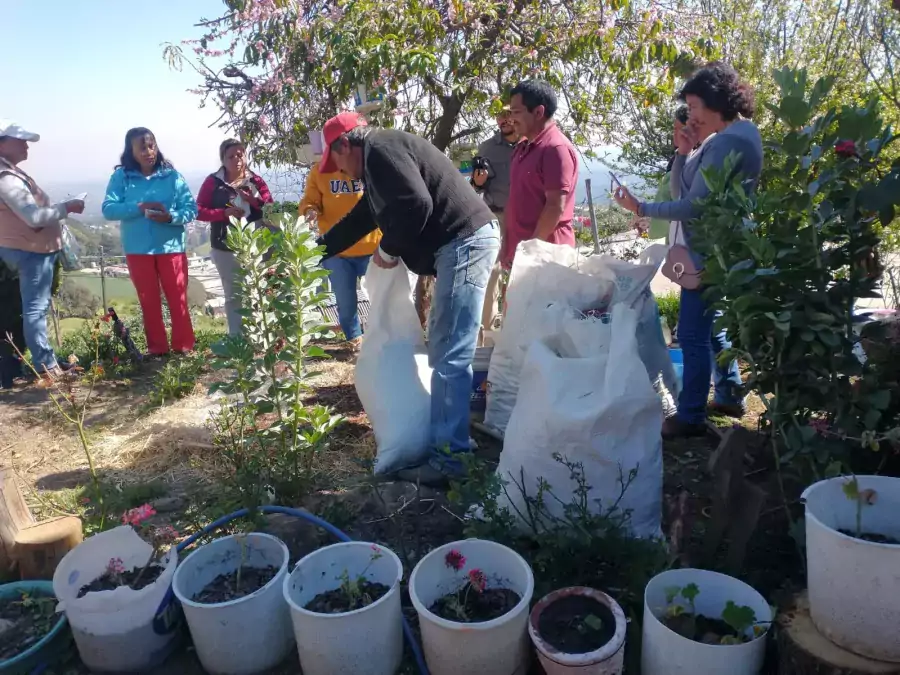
(69, 254)
(584, 394)
(393, 379)
(548, 274)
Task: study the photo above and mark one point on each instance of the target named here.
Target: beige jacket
(18, 234)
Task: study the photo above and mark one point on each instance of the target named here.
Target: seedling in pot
(354, 592)
(473, 601)
(863, 498)
(160, 537)
(576, 624)
(24, 621)
(243, 581)
(732, 628)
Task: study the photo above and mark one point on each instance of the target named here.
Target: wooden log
(39, 548)
(14, 516)
(803, 650)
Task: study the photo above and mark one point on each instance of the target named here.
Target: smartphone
(153, 212)
(614, 182)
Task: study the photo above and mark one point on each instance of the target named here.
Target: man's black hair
(355, 137)
(129, 162)
(535, 93)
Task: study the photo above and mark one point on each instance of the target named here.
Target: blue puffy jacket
(140, 235)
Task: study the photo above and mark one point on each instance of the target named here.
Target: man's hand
(480, 177)
(75, 206)
(381, 262)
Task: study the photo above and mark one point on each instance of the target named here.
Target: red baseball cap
(336, 127)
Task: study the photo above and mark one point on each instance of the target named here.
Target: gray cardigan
(741, 137)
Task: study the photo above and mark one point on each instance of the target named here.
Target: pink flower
(164, 535)
(477, 580)
(115, 566)
(138, 515)
(455, 560)
(820, 426)
(845, 149)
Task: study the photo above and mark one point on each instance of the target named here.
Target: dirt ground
(167, 454)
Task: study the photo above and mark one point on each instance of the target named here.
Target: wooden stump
(40, 547)
(14, 516)
(803, 650)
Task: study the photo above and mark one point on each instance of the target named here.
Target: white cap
(10, 128)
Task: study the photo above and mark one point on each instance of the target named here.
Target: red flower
(846, 149)
(455, 560)
(477, 580)
(106, 318)
(115, 360)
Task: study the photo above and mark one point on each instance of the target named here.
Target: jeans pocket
(479, 259)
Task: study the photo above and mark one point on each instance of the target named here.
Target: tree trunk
(443, 132)
(803, 650)
(14, 517)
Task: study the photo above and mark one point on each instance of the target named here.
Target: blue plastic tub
(51, 648)
(678, 364)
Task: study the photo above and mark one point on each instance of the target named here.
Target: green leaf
(690, 592)
(739, 617)
(880, 400)
(851, 489)
(594, 622)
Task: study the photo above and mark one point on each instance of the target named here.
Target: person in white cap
(30, 239)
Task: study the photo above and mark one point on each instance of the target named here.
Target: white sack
(585, 394)
(544, 274)
(393, 379)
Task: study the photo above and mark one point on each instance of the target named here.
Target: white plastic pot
(496, 647)
(607, 660)
(247, 635)
(665, 652)
(854, 585)
(120, 630)
(367, 641)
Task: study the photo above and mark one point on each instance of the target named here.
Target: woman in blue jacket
(153, 203)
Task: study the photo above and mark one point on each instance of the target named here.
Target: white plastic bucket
(120, 630)
(496, 647)
(665, 652)
(854, 585)
(607, 660)
(367, 641)
(247, 635)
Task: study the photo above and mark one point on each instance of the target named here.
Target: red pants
(169, 270)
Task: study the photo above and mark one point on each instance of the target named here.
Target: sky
(87, 70)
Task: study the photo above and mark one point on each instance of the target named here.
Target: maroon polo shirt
(546, 163)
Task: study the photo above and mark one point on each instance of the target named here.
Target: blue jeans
(35, 283)
(700, 347)
(463, 270)
(345, 274)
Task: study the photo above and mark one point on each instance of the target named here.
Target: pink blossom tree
(278, 68)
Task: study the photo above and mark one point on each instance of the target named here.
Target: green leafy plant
(787, 263)
(686, 621)
(669, 307)
(177, 378)
(354, 588)
(270, 438)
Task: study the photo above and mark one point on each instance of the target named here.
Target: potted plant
(345, 607)
(703, 623)
(230, 590)
(115, 589)
(852, 558)
(578, 630)
(32, 634)
(472, 598)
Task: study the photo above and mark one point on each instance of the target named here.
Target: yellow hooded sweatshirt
(332, 196)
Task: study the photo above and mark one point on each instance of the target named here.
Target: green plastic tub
(54, 644)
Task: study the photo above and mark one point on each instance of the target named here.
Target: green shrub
(669, 305)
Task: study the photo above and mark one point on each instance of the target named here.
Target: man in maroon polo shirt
(543, 175)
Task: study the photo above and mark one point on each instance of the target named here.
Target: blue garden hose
(328, 527)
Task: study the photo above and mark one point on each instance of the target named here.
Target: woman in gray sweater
(719, 106)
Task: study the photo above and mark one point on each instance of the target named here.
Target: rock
(168, 504)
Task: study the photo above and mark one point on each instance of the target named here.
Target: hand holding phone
(614, 182)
